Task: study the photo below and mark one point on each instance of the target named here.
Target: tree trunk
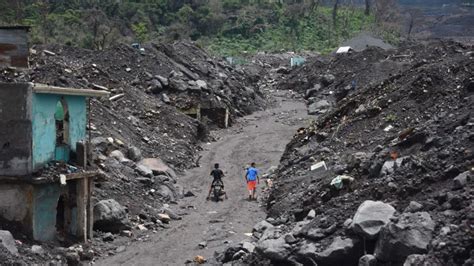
(367, 7)
(334, 12)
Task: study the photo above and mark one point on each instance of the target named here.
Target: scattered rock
(368, 260)
(274, 249)
(108, 237)
(318, 107)
(8, 242)
(202, 244)
(165, 218)
(158, 167)
(410, 235)
(370, 217)
(144, 171)
(461, 180)
(37, 249)
(414, 207)
(134, 153)
(262, 226)
(247, 246)
(110, 216)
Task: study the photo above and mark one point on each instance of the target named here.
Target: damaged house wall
(44, 127)
(14, 46)
(15, 129)
(34, 121)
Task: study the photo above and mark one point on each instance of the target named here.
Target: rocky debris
(368, 260)
(410, 235)
(158, 167)
(248, 247)
(340, 252)
(414, 207)
(134, 153)
(319, 107)
(144, 171)
(273, 249)
(8, 242)
(165, 218)
(415, 166)
(370, 217)
(110, 216)
(37, 249)
(462, 180)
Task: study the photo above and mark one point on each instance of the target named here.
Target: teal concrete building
(44, 183)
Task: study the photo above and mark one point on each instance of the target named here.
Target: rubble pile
(383, 175)
(142, 135)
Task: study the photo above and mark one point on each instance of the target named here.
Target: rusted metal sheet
(14, 47)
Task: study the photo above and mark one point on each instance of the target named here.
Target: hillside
(226, 27)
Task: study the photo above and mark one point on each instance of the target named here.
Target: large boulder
(7, 241)
(370, 217)
(274, 249)
(410, 235)
(342, 251)
(158, 167)
(110, 216)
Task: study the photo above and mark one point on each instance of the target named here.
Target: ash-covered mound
(142, 134)
(399, 152)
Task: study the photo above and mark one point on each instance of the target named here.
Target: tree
(141, 31)
(367, 7)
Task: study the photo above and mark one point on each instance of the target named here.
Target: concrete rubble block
(110, 216)
(158, 167)
(274, 249)
(370, 217)
(410, 235)
(8, 242)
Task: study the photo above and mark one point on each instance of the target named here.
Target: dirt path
(260, 137)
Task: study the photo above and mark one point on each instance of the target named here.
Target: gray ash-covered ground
(146, 122)
(403, 134)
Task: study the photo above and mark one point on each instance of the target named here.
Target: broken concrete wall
(14, 47)
(15, 203)
(15, 129)
(44, 125)
(44, 211)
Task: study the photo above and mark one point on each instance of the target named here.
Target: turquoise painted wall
(44, 211)
(297, 61)
(44, 125)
